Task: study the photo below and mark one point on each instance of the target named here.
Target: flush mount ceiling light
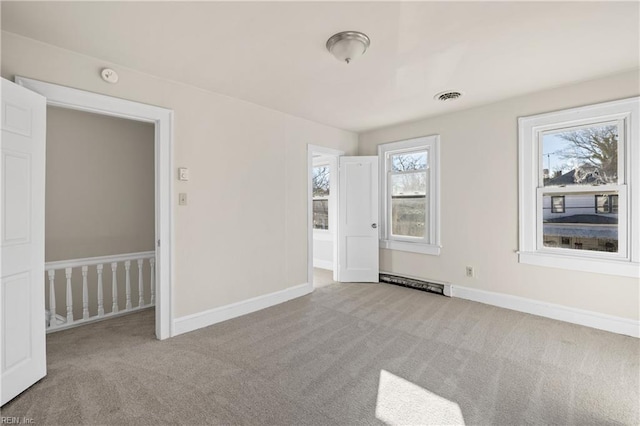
(348, 45)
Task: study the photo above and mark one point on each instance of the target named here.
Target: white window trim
(432, 247)
(625, 263)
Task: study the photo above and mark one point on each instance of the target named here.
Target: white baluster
(69, 296)
(85, 293)
(127, 268)
(52, 299)
(140, 283)
(114, 287)
(152, 263)
(100, 292)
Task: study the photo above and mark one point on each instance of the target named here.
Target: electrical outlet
(469, 271)
(182, 199)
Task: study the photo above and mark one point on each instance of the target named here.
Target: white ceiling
(273, 54)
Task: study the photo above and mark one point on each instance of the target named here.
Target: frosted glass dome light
(348, 45)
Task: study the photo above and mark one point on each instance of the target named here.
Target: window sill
(410, 247)
(622, 268)
(322, 235)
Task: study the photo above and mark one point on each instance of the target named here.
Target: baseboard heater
(412, 283)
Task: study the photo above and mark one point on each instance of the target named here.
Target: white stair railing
(95, 265)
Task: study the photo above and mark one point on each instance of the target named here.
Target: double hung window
(410, 195)
(568, 159)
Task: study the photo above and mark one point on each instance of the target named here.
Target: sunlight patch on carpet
(401, 402)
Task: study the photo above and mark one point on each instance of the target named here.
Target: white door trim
(81, 100)
(311, 149)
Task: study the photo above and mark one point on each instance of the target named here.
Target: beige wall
(240, 156)
(100, 185)
(479, 161)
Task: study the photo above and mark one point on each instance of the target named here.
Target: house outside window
(321, 192)
(568, 159)
(409, 186)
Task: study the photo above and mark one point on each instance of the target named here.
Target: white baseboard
(591, 319)
(192, 322)
(323, 264)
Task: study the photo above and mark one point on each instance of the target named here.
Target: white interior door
(358, 220)
(22, 275)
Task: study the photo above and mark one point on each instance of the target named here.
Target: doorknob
(374, 225)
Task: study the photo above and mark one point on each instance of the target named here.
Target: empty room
(324, 213)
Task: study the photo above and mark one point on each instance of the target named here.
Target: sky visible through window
(552, 159)
(589, 150)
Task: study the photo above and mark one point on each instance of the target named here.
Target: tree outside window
(320, 184)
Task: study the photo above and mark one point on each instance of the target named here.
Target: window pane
(409, 161)
(320, 214)
(320, 181)
(607, 203)
(408, 204)
(408, 216)
(583, 156)
(580, 226)
(602, 204)
(407, 184)
(557, 204)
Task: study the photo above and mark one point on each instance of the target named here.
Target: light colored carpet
(346, 354)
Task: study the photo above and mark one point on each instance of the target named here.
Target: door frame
(162, 118)
(316, 149)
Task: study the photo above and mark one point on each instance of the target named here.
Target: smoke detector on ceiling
(447, 95)
(109, 75)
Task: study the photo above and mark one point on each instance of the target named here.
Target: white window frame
(624, 113)
(431, 243)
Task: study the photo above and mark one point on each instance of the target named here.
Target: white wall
(322, 249)
(479, 160)
(100, 185)
(240, 156)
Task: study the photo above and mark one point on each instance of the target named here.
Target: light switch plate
(183, 173)
(182, 199)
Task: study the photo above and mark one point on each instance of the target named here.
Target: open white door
(22, 278)
(358, 220)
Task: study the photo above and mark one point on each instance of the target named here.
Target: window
(568, 159)
(409, 186)
(607, 204)
(557, 204)
(321, 192)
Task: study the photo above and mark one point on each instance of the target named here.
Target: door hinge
(158, 243)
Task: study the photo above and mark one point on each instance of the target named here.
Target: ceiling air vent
(447, 96)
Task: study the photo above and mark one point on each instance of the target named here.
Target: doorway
(323, 215)
(99, 217)
(162, 119)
